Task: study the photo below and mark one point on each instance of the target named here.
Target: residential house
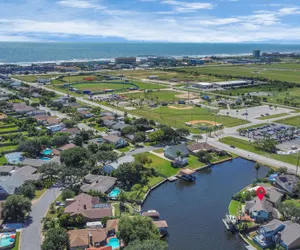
(108, 123)
(82, 239)
(196, 147)
(35, 95)
(7, 170)
(172, 152)
(67, 146)
(117, 141)
(88, 206)
(119, 126)
(72, 131)
(22, 108)
(274, 196)
(52, 120)
(287, 182)
(276, 232)
(107, 113)
(15, 178)
(108, 168)
(112, 226)
(85, 114)
(56, 128)
(260, 210)
(98, 183)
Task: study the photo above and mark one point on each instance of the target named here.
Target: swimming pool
(14, 158)
(6, 240)
(114, 243)
(114, 193)
(45, 158)
(47, 151)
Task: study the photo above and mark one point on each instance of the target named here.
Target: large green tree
(30, 147)
(147, 245)
(137, 228)
(74, 157)
(56, 239)
(106, 156)
(27, 190)
(16, 207)
(50, 170)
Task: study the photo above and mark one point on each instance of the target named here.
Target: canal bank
(194, 210)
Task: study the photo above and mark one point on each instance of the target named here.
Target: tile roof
(67, 146)
(80, 237)
(112, 138)
(80, 202)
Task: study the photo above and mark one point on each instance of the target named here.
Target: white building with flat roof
(230, 84)
(203, 85)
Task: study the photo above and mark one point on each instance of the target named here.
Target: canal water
(194, 211)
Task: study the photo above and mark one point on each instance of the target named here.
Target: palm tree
(257, 167)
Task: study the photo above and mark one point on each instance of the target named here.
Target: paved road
(31, 237)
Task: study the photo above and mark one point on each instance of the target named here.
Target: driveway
(31, 236)
(142, 150)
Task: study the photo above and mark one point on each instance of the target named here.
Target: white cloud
(179, 6)
(81, 4)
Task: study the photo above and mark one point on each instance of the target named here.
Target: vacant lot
(282, 74)
(177, 118)
(249, 146)
(33, 78)
(292, 121)
(166, 75)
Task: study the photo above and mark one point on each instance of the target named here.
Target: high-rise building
(256, 53)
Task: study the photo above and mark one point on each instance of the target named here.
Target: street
(31, 236)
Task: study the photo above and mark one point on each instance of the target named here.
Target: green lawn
(117, 209)
(272, 116)
(293, 121)
(154, 180)
(8, 148)
(124, 150)
(294, 201)
(33, 78)
(159, 150)
(233, 207)
(16, 247)
(3, 160)
(2, 130)
(39, 193)
(177, 118)
(161, 165)
(194, 162)
(249, 146)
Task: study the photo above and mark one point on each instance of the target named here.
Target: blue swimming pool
(45, 158)
(114, 193)
(47, 151)
(6, 241)
(114, 243)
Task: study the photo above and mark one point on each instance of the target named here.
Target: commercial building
(230, 84)
(256, 53)
(203, 85)
(125, 60)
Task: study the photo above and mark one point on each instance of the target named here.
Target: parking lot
(253, 113)
(288, 137)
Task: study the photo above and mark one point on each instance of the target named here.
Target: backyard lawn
(292, 121)
(294, 201)
(249, 146)
(154, 180)
(3, 130)
(161, 165)
(8, 148)
(233, 207)
(194, 162)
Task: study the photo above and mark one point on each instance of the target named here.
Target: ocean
(26, 52)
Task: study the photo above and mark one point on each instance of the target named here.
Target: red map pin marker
(260, 192)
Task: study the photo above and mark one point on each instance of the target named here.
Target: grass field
(269, 72)
(2, 130)
(165, 75)
(249, 146)
(33, 78)
(164, 96)
(16, 247)
(272, 116)
(293, 121)
(177, 118)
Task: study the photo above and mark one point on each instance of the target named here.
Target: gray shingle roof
(257, 205)
(291, 234)
(98, 183)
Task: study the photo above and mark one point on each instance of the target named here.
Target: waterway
(194, 210)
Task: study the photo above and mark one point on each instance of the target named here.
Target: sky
(209, 21)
